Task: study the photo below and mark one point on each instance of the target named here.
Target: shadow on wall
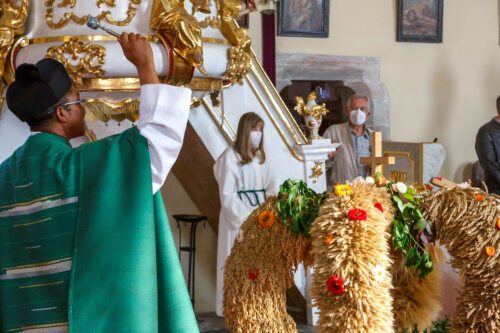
(463, 173)
(443, 92)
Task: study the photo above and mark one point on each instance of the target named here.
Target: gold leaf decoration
(81, 20)
(104, 110)
(88, 54)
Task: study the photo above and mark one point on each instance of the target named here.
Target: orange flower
(498, 223)
(479, 197)
(328, 239)
(266, 218)
(490, 251)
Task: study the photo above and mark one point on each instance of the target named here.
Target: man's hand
(332, 154)
(137, 50)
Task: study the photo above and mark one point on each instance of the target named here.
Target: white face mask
(357, 117)
(255, 138)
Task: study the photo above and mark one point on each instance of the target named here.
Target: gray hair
(354, 97)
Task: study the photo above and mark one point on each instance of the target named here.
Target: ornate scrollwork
(239, 58)
(202, 6)
(109, 3)
(238, 64)
(211, 22)
(75, 48)
(104, 110)
(13, 15)
(317, 171)
(81, 20)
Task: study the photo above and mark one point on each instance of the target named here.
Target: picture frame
(420, 21)
(304, 18)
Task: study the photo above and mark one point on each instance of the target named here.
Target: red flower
(378, 205)
(335, 285)
(253, 274)
(357, 214)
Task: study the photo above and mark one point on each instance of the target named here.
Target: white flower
(463, 185)
(370, 180)
(401, 188)
(378, 273)
(358, 180)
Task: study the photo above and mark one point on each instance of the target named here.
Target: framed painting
(303, 18)
(420, 21)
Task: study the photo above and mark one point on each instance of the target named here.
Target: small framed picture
(420, 21)
(303, 18)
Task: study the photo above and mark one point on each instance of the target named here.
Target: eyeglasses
(52, 109)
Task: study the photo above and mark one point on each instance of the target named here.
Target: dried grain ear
(465, 226)
(357, 248)
(259, 305)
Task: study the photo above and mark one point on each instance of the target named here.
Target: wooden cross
(376, 161)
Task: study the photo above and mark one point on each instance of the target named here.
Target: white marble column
(315, 154)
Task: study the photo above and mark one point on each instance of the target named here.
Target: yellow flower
(498, 223)
(343, 190)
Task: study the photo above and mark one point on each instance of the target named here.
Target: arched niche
(361, 74)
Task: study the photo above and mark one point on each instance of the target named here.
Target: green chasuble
(84, 243)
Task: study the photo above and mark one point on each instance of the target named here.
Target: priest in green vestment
(85, 244)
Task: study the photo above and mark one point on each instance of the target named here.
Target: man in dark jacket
(488, 151)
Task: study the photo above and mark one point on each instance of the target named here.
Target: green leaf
(420, 225)
(408, 196)
(399, 203)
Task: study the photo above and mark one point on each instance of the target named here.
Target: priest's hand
(137, 50)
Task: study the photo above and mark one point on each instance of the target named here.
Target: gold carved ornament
(317, 111)
(90, 58)
(180, 32)
(317, 171)
(81, 20)
(239, 56)
(13, 15)
(104, 110)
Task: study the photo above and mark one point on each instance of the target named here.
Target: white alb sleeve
(163, 116)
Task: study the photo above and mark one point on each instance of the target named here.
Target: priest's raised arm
(85, 245)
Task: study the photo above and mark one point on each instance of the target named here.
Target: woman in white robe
(245, 179)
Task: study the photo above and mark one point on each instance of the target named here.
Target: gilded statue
(171, 20)
(312, 112)
(13, 15)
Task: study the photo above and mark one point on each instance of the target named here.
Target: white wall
(177, 201)
(13, 133)
(443, 90)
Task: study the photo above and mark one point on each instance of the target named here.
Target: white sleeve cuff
(163, 115)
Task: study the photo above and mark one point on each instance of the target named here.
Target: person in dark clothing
(488, 151)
